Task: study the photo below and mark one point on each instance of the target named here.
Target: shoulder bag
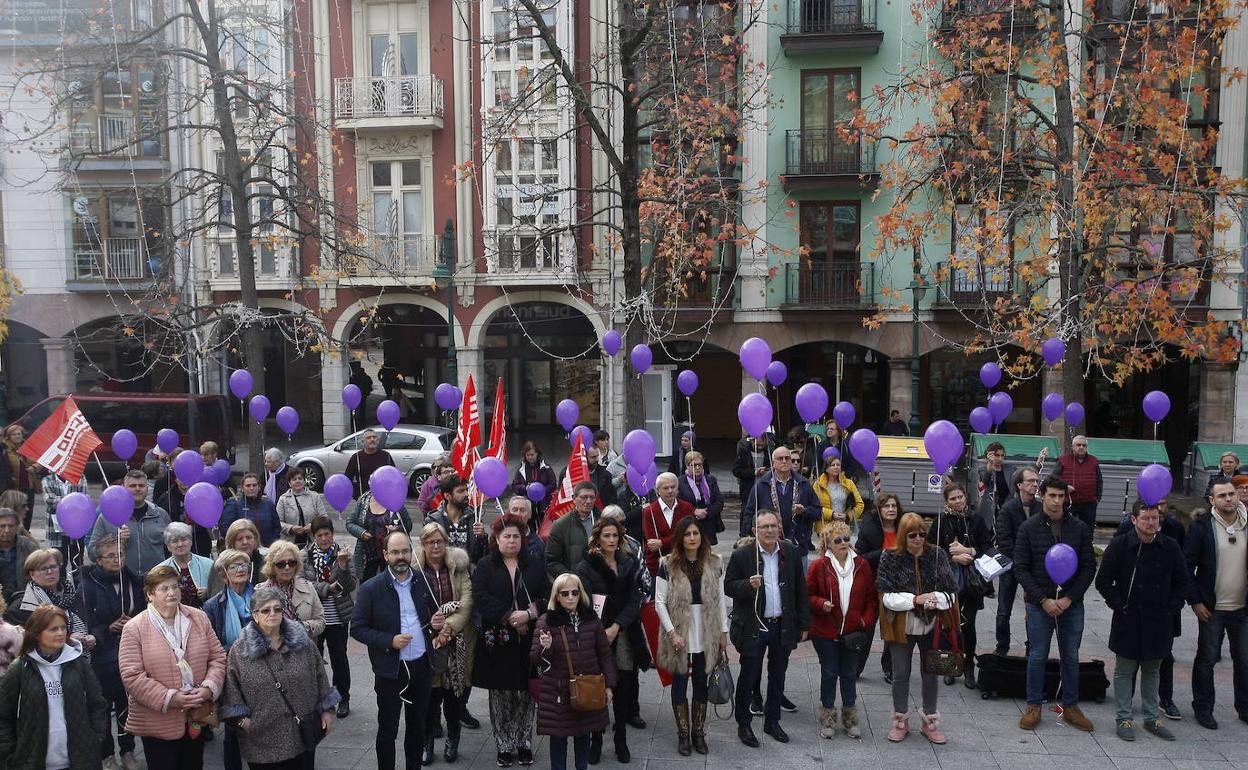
(588, 692)
(719, 687)
(310, 731)
(938, 662)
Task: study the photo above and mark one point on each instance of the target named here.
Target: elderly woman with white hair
(194, 571)
(282, 565)
(275, 484)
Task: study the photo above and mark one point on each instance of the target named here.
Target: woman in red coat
(569, 631)
(843, 607)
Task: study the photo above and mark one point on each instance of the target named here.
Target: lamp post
(445, 271)
(918, 291)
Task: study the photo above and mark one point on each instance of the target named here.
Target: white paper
(990, 565)
(600, 601)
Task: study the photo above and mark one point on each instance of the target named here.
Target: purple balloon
(641, 357)
(1061, 563)
(203, 504)
(167, 439)
(259, 407)
(864, 445)
(687, 382)
(536, 491)
(389, 487)
(981, 419)
(812, 402)
(1154, 483)
(584, 434)
(75, 514)
(641, 482)
(755, 357)
(125, 443)
(116, 505)
(1052, 406)
(1074, 413)
(639, 448)
(830, 452)
(240, 383)
(777, 373)
(188, 467)
(1053, 350)
(388, 415)
(612, 341)
(844, 415)
(352, 396)
(754, 412)
(490, 476)
(222, 471)
(567, 412)
(287, 419)
(447, 396)
(943, 443)
(338, 491)
(999, 406)
(1156, 405)
(990, 374)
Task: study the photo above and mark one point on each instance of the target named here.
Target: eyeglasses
(239, 566)
(573, 592)
(917, 536)
(268, 611)
(107, 557)
(286, 564)
(839, 540)
(47, 568)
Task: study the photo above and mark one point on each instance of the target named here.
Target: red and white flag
(498, 426)
(63, 442)
(561, 503)
(468, 436)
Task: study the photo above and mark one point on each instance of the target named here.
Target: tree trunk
(630, 221)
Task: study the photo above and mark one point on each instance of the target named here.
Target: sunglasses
(917, 536)
(269, 611)
(839, 540)
(566, 594)
(285, 564)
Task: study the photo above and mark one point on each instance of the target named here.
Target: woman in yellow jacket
(839, 496)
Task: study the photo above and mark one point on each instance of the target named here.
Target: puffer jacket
(1034, 541)
(1009, 518)
(853, 501)
(24, 717)
(590, 652)
(823, 585)
(102, 603)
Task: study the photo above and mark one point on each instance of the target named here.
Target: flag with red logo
(498, 426)
(561, 503)
(468, 435)
(63, 442)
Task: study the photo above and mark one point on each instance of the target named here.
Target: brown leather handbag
(588, 692)
(938, 662)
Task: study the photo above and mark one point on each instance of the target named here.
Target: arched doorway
(1116, 411)
(25, 365)
(950, 389)
(848, 372)
(402, 348)
(109, 356)
(292, 370)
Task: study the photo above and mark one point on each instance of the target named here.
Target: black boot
(595, 748)
(622, 754)
(427, 757)
(968, 674)
(451, 751)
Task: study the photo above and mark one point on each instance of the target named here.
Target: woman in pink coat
(173, 668)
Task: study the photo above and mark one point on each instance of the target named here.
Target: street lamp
(919, 291)
(445, 271)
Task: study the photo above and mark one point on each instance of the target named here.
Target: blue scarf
(238, 614)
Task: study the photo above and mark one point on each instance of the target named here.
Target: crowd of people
(172, 634)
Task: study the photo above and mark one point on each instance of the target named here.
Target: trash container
(1121, 461)
(1201, 464)
(906, 471)
(1020, 451)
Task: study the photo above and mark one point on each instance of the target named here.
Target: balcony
(828, 285)
(394, 259)
(529, 253)
(110, 260)
(276, 263)
(996, 16)
(977, 285)
(407, 101)
(707, 290)
(819, 159)
(831, 25)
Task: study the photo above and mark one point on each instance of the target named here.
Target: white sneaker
(130, 762)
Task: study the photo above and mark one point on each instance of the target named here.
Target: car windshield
(446, 439)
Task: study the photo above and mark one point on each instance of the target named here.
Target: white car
(413, 447)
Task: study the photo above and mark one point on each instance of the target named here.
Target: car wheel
(314, 477)
(418, 478)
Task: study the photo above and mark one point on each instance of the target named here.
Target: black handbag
(855, 641)
(310, 730)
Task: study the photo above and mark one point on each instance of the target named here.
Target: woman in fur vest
(689, 599)
(916, 586)
(612, 572)
(569, 641)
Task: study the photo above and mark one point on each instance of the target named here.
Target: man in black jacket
(1021, 506)
(770, 614)
(753, 460)
(1051, 607)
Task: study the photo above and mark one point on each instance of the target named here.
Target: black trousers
(182, 754)
(114, 693)
(335, 637)
(624, 699)
(442, 700)
(409, 694)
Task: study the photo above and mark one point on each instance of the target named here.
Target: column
(899, 386)
(1217, 403)
(62, 369)
(1241, 405)
(335, 417)
(471, 362)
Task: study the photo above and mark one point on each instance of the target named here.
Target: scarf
(906, 573)
(701, 490)
(175, 636)
(237, 613)
(376, 525)
(186, 583)
(63, 598)
(288, 601)
(844, 580)
(323, 561)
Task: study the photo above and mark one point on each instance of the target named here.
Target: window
(116, 233)
(398, 210)
(977, 237)
(526, 195)
(225, 259)
(119, 112)
(829, 99)
(829, 265)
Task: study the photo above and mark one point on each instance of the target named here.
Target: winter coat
(1034, 541)
(496, 597)
(870, 542)
(970, 529)
(823, 585)
(261, 511)
(145, 548)
(460, 621)
(356, 526)
(1144, 584)
(748, 604)
(25, 718)
(22, 548)
(796, 528)
(590, 652)
(904, 573)
(102, 603)
(713, 524)
(289, 506)
(679, 605)
(743, 466)
(526, 474)
(654, 527)
(306, 604)
(565, 545)
(853, 501)
(625, 593)
(1200, 552)
(1010, 518)
(341, 575)
(376, 620)
(150, 672)
(252, 668)
(460, 535)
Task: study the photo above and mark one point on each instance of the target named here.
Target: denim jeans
(1007, 589)
(559, 751)
(1124, 687)
(752, 671)
(1208, 644)
(697, 673)
(1040, 628)
(836, 663)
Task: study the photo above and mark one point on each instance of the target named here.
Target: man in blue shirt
(391, 619)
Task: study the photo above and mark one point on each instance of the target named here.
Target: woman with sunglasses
(569, 640)
(282, 565)
(964, 534)
(877, 534)
(917, 586)
(843, 606)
